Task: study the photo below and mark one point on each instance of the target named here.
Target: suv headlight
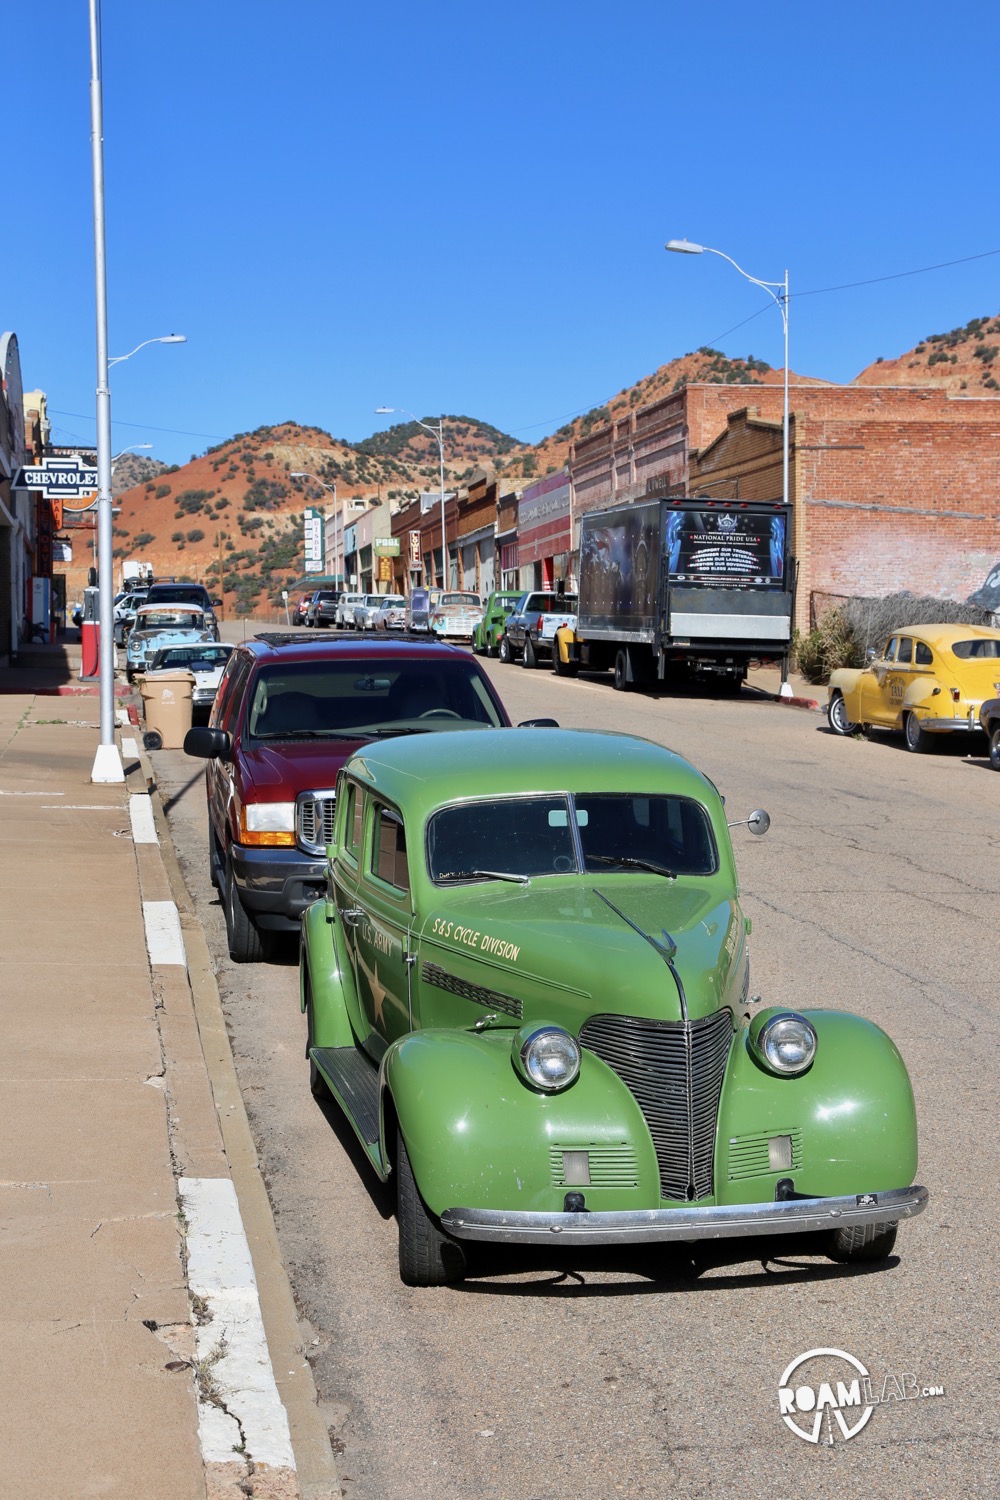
(784, 1042)
(546, 1057)
(267, 823)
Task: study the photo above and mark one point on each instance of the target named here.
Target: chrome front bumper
(733, 1221)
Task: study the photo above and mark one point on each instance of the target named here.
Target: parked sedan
(488, 633)
(926, 680)
(160, 625)
(365, 612)
(206, 664)
(391, 613)
(344, 613)
(526, 986)
(455, 616)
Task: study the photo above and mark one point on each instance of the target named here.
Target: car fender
(850, 1116)
(926, 694)
(478, 1136)
(847, 680)
(336, 1019)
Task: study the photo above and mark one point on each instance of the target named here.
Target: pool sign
(64, 479)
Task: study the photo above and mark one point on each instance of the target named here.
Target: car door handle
(350, 915)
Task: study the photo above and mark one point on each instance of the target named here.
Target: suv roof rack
(374, 637)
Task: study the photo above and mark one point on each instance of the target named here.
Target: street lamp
(778, 292)
(438, 431)
(167, 338)
(780, 298)
(301, 474)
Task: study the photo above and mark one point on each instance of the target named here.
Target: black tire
(861, 1243)
(917, 738)
(622, 683)
(489, 649)
(530, 656)
(214, 860)
(836, 715)
(427, 1257)
(318, 1086)
(246, 946)
(995, 749)
(505, 653)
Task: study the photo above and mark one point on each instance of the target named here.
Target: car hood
(558, 945)
(280, 771)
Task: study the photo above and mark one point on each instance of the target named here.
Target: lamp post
(438, 431)
(778, 291)
(301, 474)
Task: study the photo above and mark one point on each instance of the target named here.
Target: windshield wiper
(630, 863)
(313, 734)
(484, 875)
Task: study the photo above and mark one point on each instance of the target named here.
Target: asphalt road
(655, 1372)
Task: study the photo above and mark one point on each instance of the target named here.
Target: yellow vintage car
(924, 680)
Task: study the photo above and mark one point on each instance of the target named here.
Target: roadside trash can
(166, 704)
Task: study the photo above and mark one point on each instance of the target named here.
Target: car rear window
(982, 647)
(352, 698)
(532, 836)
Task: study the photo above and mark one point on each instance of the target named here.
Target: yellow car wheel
(836, 716)
(917, 738)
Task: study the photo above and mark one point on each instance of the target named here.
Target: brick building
(891, 487)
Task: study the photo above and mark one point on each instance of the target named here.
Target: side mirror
(871, 655)
(539, 724)
(209, 744)
(758, 822)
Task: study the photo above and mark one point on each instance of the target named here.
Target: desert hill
(962, 361)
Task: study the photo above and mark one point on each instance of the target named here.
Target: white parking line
(164, 942)
(140, 811)
(230, 1346)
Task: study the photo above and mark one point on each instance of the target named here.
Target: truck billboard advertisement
(725, 548)
(619, 556)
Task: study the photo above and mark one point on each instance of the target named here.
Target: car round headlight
(786, 1043)
(546, 1057)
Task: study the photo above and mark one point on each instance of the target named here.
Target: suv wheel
(246, 946)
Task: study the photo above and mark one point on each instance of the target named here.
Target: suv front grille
(314, 820)
(674, 1070)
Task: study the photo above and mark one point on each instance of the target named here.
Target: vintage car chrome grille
(602, 1166)
(314, 820)
(675, 1071)
(770, 1151)
(492, 999)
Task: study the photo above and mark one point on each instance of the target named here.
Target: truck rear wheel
(529, 659)
(622, 683)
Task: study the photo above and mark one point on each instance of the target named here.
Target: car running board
(355, 1083)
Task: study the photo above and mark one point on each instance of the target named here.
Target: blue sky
(462, 208)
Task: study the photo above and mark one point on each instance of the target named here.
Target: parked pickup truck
(531, 626)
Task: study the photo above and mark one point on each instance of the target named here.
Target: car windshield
(532, 836)
(460, 599)
(351, 699)
(200, 659)
(170, 619)
(984, 646)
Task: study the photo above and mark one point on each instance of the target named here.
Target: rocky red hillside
(965, 361)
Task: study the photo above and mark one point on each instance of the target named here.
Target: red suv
(287, 714)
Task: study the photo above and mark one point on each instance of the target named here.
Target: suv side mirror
(209, 744)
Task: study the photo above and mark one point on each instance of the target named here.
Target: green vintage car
(528, 990)
(486, 635)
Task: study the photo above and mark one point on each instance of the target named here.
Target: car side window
(889, 649)
(388, 861)
(905, 653)
(230, 691)
(353, 821)
(923, 656)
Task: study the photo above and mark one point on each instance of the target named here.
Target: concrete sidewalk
(148, 1340)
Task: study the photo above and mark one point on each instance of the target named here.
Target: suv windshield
(531, 836)
(354, 699)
